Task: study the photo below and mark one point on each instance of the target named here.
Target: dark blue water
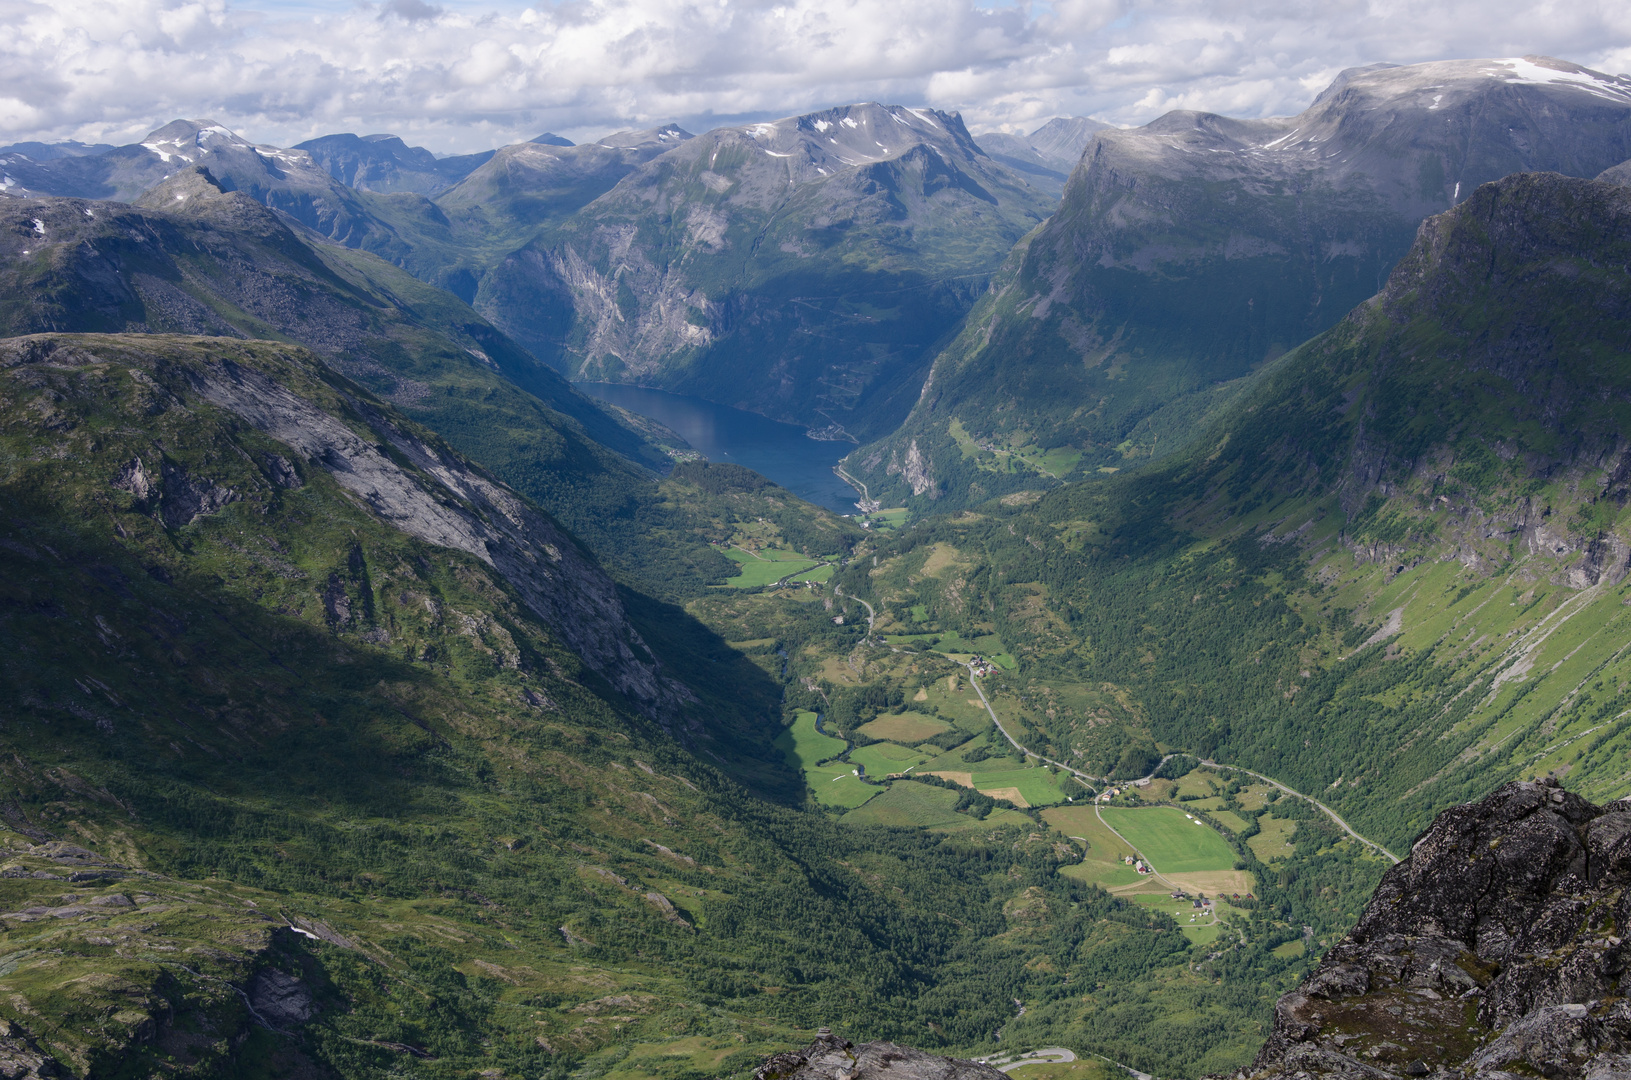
(783, 452)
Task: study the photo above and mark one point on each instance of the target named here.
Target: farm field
(837, 785)
(1257, 796)
(1102, 865)
(1038, 787)
(767, 567)
(1104, 875)
(1201, 934)
(890, 518)
(1080, 1069)
(803, 744)
(907, 804)
(1203, 782)
(1273, 840)
(1227, 818)
(1182, 911)
(833, 785)
(881, 759)
(1170, 840)
(907, 727)
(1214, 882)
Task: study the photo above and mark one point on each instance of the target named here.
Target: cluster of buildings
(1137, 864)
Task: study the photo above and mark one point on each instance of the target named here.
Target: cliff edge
(1494, 951)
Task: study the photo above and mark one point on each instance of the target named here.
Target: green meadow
(1170, 840)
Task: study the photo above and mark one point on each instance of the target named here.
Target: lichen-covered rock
(831, 1057)
(1492, 951)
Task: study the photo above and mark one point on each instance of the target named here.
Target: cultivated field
(1227, 818)
(1170, 840)
(833, 785)
(1273, 841)
(766, 567)
(906, 728)
(1039, 787)
(837, 785)
(1214, 882)
(907, 803)
(881, 759)
(1102, 865)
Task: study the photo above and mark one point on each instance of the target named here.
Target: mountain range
(849, 241)
(1194, 250)
(1244, 577)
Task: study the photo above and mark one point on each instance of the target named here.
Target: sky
(459, 75)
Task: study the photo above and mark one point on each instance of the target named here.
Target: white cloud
(463, 75)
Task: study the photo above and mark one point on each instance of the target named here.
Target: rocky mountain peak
(386, 163)
(1493, 950)
(831, 140)
(190, 140)
(1065, 137)
(1465, 121)
(664, 137)
(1047, 155)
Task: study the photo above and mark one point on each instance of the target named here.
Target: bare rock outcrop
(443, 500)
(831, 1057)
(1493, 951)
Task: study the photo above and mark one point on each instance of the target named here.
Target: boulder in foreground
(1494, 951)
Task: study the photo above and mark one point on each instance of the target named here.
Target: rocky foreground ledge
(1493, 952)
(833, 1058)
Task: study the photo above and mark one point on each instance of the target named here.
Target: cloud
(411, 10)
(467, 75)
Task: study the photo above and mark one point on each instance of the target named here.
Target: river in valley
(782, 452)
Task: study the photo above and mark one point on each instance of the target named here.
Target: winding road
(1332, 814)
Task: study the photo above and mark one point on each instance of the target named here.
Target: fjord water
(782, 452)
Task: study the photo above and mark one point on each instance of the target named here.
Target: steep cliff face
(1493, 951)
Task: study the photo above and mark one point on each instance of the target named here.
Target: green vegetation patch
(838, 785)
(1273, 839)
(909, 804)
(1228, 819)
(766, 567)
(904, 727)
(1038, 787)
(881, 759)
(1172, 842)
(804, 748)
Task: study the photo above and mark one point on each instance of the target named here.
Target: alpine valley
(1242, 532)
